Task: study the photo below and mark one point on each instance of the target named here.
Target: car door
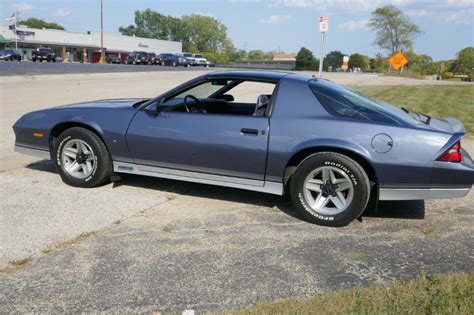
(218, 144)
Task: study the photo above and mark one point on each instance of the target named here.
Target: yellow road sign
(398, 60)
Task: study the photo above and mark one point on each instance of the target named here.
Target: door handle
(248, 131)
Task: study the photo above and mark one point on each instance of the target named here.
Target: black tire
(356, 174)
(34, 59)
(102, 168)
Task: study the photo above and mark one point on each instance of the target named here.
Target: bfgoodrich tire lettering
(330, 189)
(81, 158)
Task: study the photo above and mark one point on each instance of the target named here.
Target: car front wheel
(330, 189)
(81, 158)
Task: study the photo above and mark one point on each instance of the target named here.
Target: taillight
(453, 154)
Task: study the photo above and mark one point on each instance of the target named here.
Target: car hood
(109, 103)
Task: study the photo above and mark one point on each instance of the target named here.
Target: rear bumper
(421, 194)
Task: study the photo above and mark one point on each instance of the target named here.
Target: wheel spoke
(313, 187)
(320, 202)
(315, 181)
(85, 149)
(88, 165)
(326, 175)
(339, 201)
(344, 185)
(74, 167)
(332, 176)
(69, 153)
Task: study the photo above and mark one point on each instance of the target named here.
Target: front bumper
(33, 152)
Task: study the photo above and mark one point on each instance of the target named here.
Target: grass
(17, 264)
(450, 294)
(439, 101)
(407, 74)
(76, 240)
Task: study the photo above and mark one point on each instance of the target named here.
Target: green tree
(394, 29)
(359, 61)
(333, 59)
(260, 55)
(305, 60)
(205, 33)
(198, 33)
(151, 24)
(464, 62)
(40, 24)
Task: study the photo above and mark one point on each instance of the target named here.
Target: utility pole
(102, 52)
(16, 33)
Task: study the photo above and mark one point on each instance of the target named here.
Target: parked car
(174, 60)
(210, 64)
(43, 54)
(200, 60)
(189, 57)
(137, 58)
(153, 59)
(8, 54)
(331, 148)
(113, 58)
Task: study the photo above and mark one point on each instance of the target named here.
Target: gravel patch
(39, 212)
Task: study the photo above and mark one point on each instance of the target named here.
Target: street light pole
(102, 52)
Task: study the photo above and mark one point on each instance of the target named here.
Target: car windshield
(199, 56)
(43, 50)
(187, 55)
(345, 102)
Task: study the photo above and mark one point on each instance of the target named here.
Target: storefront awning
(3, 40)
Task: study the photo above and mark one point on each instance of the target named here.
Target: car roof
(256, 74)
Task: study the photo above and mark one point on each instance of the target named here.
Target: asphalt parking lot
(39, 68)
(145, 244)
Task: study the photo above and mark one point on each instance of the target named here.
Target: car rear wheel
(81, 158)
(330, 189)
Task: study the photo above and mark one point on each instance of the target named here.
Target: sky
(285, 25)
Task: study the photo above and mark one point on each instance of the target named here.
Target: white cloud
(461, 3)
(62, 12)
(355, 5)
(246, 1)
(460, 17)
(274, 19)
(21, 7)
(353, 26)
(418, 13)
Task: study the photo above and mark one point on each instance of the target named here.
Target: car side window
(249, 91)
(224, 97)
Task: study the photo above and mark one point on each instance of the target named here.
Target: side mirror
(155, 109)
(228, 97)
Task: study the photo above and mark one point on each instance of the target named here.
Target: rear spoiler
(456, 125)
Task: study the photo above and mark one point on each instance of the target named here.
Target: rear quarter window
(342, 102)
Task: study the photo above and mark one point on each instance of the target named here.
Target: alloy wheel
(78, 158)
(328, 190)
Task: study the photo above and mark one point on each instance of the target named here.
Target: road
(145, 244)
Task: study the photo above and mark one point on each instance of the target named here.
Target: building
(284, 57)
(79, 47)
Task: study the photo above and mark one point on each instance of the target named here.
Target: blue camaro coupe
(331, 148)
